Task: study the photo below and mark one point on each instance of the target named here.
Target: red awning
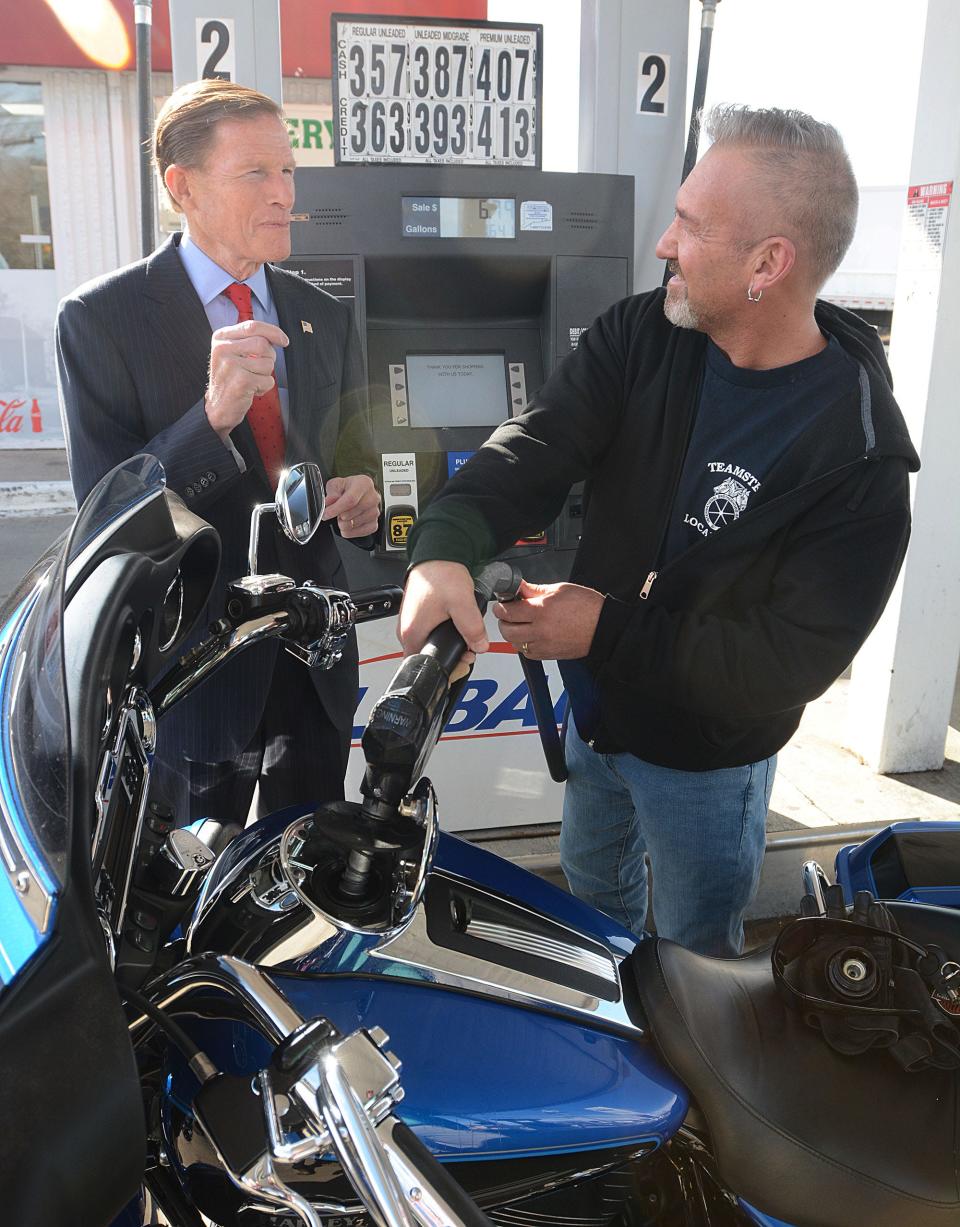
(33, 35)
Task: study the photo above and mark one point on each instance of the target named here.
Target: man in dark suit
(226, 368)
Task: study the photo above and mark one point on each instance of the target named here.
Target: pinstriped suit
(133, 350)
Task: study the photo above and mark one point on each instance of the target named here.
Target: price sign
(429, 91)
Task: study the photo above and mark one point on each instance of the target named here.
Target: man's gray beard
(679, 312)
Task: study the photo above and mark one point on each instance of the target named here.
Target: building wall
(91, 128)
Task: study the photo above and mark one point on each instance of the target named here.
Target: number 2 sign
(216, 48)
(653, 83)
(227, 40)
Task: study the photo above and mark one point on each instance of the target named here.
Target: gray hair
(805, 172)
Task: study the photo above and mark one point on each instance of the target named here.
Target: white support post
(633, 98)
(903, 678)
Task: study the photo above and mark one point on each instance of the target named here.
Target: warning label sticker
(928, 205)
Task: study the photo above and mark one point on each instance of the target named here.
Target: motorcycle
(194, 1020)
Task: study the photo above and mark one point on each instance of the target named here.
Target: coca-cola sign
(29, 411)
(14, 413)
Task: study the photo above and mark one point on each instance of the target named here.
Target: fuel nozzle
(406, 722)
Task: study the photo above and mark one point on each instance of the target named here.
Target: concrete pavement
(36, 506)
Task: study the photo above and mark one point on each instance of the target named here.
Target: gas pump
(468, 286)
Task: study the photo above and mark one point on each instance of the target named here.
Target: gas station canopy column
(904, 677)
(633, 94)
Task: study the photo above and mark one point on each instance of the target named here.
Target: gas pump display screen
(448, 390)
(458, 217)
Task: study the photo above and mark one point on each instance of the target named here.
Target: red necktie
(264, 415)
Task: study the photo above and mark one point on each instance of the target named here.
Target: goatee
(679, 312)
(677, 309)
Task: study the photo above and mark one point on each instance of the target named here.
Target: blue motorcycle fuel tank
(513, 1043)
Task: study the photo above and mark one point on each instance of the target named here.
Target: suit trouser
(295, 755)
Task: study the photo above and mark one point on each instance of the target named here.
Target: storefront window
(25, 240)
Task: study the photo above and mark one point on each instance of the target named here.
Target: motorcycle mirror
(300, 501)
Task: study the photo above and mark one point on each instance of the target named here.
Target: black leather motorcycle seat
(799, 1131)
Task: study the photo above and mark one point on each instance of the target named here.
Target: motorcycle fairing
(76, 1104)
(28, 891)
(74, 1146)
(917, 862)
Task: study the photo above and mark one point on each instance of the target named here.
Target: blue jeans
(704, 832)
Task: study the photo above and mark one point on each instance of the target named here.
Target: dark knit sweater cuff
(613, 620)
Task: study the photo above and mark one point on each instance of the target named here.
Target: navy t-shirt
(746, 420)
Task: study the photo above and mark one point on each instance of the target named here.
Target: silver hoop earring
(750, 295)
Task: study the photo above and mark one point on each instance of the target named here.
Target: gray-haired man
(745, 518)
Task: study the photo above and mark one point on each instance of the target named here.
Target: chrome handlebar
(344, 1094)
(313, 621)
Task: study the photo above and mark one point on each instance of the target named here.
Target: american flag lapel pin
(306, 326)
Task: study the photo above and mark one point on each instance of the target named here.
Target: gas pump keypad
(397, 383)
(518, 388)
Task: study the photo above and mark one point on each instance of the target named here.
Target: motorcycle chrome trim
(165, 645)
(256, 515)
(271, 1011)
(353, 1133)
(456, 969)
(185, 678)
(545, 948)
(140, 700)
(420, 804)
(263, 1181)
(815, 882)
(136, 737)
(427, 1205)
(314, 932)
(137, 650)
(33, 886)
(262, 881)
(263, 585)
(230, 871)
(108, 939)
(276, 893)
(341, 615)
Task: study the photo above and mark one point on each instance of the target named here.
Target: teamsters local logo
(728, 500)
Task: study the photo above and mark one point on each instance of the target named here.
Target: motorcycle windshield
(35, 803)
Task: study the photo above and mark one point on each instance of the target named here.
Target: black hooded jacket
(713, 665)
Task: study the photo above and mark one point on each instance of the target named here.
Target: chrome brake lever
(334, 1119)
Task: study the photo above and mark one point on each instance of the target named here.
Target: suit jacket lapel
(176, 314)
